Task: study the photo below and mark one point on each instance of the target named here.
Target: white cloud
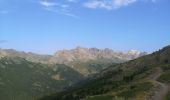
(47, 3)
(120, 3)
(98, 4)
(71, 15)
(108, 4)
(62, 7)
(65, 6)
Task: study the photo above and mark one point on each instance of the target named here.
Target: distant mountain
(92, 60)
(86, 54)
(87, 61)
(28, 76)
(77, 54)
(145, 78)
(28, 56)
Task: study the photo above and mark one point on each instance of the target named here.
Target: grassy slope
(126, 80)
(24, 80)
(91, 66)
(167, 97)
(165, 77)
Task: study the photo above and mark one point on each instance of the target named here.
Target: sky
(45, 26)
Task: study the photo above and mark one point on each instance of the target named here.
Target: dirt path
(161, 89)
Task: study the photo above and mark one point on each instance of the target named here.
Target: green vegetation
(136, 89)
(126, 93)
(165, 67)
(100, 97)
(129, 80)
(167, 97)
(116, 80)
(91, 66)
(24, 80)
(21, 79)
(165, 77)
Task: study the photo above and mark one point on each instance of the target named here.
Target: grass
(134, 90)
(104, 97)
(164, 78)
(165, 67)
(100, 97)
(167, 97)
(129, 92)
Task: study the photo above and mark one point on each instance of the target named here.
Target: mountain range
(28, 76)
(84, 60)
(77, 54)
(144, 78)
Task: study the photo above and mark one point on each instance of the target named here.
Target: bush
(167, 97)
(165, 78)
(133, 90)
(101, 97)
(165, 67)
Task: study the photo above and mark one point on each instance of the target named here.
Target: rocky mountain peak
(77, 54)
(84, 54)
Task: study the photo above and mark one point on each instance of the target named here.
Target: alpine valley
(144, 78)
(30, 76)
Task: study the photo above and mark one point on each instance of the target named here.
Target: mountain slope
(24, 80)
(130, 80)
(28, 56)
(77, 54)
(33, 75)
(86, 61)
(86, 54)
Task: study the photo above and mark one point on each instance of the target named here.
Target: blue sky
(44, 26)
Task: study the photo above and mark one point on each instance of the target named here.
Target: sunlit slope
(137, 79)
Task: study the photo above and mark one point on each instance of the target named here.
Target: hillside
(24, 80)
(26, 55)
(27, 76)
(145, 78)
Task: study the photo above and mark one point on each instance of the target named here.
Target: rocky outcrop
(85, 54)
(77, 54)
